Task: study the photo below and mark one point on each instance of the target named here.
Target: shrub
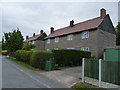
(4, 52)
(70, 57)
(24, 55)
(38, 58)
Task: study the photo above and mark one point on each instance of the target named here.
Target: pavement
(16, 76)
(67, 75)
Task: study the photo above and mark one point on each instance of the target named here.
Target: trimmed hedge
(70, 57)
(5, 52)
(38, 58)
(34, 58)
(24, 55)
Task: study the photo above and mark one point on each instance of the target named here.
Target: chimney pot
(41, 31)
(52, 29)
(72, 23)
(33, 34)
(102, 13)
(27, 37)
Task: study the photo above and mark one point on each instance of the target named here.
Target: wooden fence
(110, 70)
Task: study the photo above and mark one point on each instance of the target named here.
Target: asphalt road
(16, 76)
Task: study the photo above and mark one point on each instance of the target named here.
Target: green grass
(22, 64)
(86, 86)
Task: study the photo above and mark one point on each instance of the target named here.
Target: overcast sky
(32, 17)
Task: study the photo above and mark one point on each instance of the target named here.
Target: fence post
(83, 60)
(100, 72)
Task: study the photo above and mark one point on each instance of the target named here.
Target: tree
(13, 40)
(3, 44)
(0, 45)
(118, 34)
(28, 46)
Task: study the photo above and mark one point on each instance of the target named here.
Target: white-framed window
(70, 37)
(56, 39)
(48, 41)
(85, 34)
(85, 48)
(70, 48)
(47, 49)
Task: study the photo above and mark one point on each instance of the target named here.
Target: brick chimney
(102, 13)
(27, 37)
(51, 30)
(41, 31)
(72, 23)
(33, 34)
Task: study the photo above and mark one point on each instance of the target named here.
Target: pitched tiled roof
(86, 25)
(33, 38)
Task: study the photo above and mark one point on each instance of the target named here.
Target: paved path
(67, 75)
(16, 76)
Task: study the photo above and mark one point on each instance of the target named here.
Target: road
(16, 76)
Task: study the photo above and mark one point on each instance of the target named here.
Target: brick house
(92, 35)
(38, 40)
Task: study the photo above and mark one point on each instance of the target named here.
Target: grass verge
(86, 86)
(22, 64)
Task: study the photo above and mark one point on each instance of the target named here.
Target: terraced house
(92, 35)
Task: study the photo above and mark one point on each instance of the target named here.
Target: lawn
(22, 64)
(86, 86)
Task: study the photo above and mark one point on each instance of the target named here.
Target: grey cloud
(32, 17)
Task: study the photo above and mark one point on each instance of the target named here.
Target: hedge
(33, 57)
(38, 58)
(4, 52)
(70, 57)
(24, 55)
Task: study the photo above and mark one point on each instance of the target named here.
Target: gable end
(107, 25)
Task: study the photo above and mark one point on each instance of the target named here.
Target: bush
(70, 57)
(4, 52)
(24, 55)
(38, 58)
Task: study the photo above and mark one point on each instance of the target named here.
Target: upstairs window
(57, 39)
(85, 34)
(48, 41)
(70, 37)
(85, 49)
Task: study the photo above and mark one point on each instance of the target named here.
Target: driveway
(16, 76)
(67, 76)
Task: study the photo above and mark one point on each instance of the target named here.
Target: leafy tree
(13, 40)
(3, 46)
(0, 45)
(28, 46)
(118, 34)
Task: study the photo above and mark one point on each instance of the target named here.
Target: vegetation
(4, 52)
(38, 58)
(118, 34)
(0, 48)
(23, 55)
(28, 46)
(13, 41)
(22, 64)
(70, 57)
(34, 58)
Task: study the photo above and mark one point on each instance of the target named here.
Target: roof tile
(86, 25)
